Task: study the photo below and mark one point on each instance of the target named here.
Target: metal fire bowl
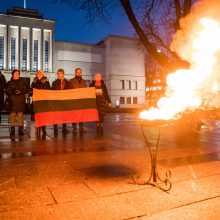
(156, 123)
(187, 117)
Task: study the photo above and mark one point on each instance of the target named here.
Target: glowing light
(186, 89)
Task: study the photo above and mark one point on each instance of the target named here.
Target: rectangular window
(128, 100)
(122, 100)
(35, 55)
(46, 55)
(128, 85)
(24, 55)
(88, 83)
(135, 100)
(13, 52)
(134, 86)
(122, 84)
(2, 52)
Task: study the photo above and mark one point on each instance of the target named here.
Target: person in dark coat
(60, 84)
(40, 82)
(16, 89)
(2, 91)
(76, 83)
(102, 99)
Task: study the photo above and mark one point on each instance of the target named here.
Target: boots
(55, 130)
(99, 128)
(20, 131)
(38, 131)
(74, 125)
(64, 130)
(81, 128)
(12, 132)
(44, 132)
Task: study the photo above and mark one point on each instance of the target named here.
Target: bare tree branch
(154, 21)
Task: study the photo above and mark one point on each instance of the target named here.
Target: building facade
(27, 43)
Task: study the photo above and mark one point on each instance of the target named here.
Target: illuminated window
(135, 100)
(128, 100)
(24, 55)
(46, 55)
(1, 52)
(13, 52)
(88, 83)
(35, 55)
(122, 100)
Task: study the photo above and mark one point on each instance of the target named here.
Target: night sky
(70, 24)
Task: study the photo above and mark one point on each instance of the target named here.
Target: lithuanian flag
(64, 106)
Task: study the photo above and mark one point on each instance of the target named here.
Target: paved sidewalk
(89, 177)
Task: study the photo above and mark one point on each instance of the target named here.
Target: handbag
(7, 104)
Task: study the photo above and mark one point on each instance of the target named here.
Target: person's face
(60, 75)
(16, 75)
(40, 75)
(78, 72)
(98, 77)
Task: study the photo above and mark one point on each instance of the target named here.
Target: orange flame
(186, 89)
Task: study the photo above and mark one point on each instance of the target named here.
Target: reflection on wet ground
(179, 144)
(89, 176)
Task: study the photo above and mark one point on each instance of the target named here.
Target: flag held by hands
(64, 106)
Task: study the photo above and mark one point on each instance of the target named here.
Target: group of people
(16, 89)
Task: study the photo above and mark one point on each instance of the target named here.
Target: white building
(27, 43)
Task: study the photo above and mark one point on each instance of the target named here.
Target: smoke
(184, 45)
(183, 39)
(198, 42)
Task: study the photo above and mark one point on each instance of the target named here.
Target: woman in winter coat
(2, 90)
(102, 99)
(40, 82)
(16, 90)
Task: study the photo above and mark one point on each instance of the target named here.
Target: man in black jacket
(76, 83)
(2, 90)
(60, 84)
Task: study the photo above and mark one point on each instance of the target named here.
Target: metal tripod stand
(154, 179)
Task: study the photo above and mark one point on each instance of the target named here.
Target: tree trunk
(161, 58)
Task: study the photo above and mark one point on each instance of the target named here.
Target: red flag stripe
(74, 116)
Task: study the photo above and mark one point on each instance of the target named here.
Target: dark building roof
(25, 12)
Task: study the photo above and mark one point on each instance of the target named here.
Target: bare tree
(154, 21)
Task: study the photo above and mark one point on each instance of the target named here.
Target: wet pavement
(87, 176)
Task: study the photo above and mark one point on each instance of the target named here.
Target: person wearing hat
(2, 91)
(16, 90)
(76, 83)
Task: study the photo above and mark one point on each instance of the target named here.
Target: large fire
(188, 89)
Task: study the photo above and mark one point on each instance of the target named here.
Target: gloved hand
(16, 91)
